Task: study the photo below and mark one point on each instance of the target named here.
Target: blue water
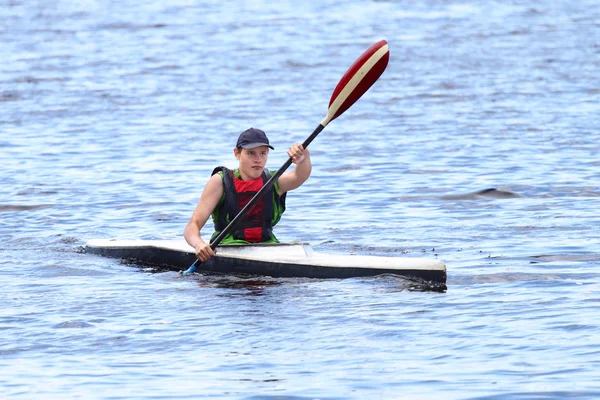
(113, 114)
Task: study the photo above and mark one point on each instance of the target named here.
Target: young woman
(228, 191)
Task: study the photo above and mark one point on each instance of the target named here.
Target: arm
(208, 201)
(293, 179)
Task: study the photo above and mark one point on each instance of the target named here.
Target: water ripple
(478, 146)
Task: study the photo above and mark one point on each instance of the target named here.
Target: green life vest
(235, 195)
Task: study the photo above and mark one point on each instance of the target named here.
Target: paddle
(356, 81)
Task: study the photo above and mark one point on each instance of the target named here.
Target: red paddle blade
(358, 79)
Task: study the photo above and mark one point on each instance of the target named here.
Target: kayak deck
(276, 260)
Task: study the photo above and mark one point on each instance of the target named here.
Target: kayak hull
(296, 260)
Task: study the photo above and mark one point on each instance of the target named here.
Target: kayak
(275, 260)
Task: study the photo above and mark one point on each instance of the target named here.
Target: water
(113, 115)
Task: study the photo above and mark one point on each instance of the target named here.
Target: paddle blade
(358, 79)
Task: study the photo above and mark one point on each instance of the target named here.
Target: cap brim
(255, 145)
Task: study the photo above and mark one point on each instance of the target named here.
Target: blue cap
(251, 138)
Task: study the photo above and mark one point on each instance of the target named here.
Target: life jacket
(257, 224)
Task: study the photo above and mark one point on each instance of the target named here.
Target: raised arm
(296, 177)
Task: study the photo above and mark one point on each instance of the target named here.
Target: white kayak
(276, 260)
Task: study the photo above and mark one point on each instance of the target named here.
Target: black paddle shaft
(262, 191)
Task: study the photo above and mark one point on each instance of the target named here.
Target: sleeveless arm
(293, 179)
(211, 195)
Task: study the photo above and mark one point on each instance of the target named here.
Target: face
(252, 161)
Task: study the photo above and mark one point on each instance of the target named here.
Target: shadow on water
(256, 284)
(484, 194)
(241, 285)
(16, 208)
(499, 194)
(490, 193)
(397, 283)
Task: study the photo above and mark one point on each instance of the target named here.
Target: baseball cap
(252, 138)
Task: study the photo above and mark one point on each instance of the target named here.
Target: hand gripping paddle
(356, 81)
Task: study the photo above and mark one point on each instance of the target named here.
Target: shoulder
(215, 181)
(220, 171)
(213, 191)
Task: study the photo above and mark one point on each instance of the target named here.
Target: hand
(296, 152)
(204, 251)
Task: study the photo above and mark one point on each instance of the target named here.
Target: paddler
(228, 191)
